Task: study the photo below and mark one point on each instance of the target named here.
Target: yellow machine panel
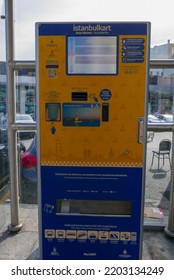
(113, 141)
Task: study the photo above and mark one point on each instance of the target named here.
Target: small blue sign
(105, 94)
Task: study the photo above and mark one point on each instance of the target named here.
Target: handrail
(160, 63)
(155, 63)
(161, 127)
(15, 65)
(23, 126)
(15, 225)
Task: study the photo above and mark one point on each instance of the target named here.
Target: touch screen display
(92, 55)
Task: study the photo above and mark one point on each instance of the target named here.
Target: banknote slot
(94, 207)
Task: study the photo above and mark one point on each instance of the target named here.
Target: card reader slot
(94, 207)
(105, 112)
(79, 96)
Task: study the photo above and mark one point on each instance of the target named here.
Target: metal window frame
(13, 65)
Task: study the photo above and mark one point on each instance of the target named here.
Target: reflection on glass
(161, 89)
(158, 183)
(26, 92)
(158, 178)
(28, 168)
(163, 51)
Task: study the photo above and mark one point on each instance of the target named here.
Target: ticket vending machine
(92, 83)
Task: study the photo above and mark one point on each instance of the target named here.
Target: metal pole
(15, 225)
(169, 230)
(162, 63)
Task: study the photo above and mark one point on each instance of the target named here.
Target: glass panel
(162, 51)
(160, 99)
(158, 173)
(158, 182)
(25, 95)
(27, 162)
(27, 150)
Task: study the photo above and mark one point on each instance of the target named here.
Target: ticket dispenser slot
(94, 207)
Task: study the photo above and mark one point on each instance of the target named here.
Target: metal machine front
(92, 82)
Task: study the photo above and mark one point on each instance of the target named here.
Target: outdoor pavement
(156, 244)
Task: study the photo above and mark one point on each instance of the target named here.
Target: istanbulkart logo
(89, 27)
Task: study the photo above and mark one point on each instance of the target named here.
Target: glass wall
(158, 174)
(160, 111)
(26, 92)
(27, 148)
(163, 51)
(158, 182)
(161, 89)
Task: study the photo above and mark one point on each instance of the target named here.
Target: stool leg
(169, 160)
(152, 160)
(158, 161)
